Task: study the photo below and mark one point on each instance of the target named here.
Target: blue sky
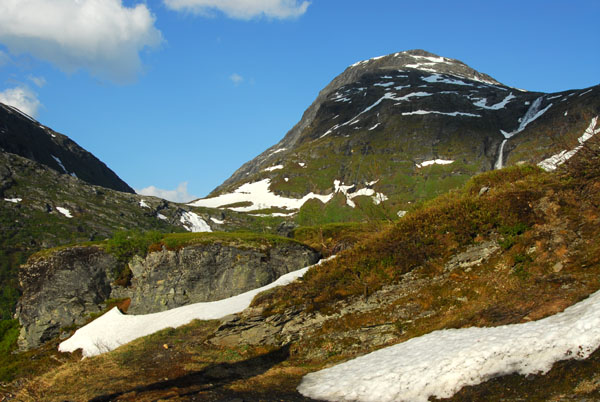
(168, 92)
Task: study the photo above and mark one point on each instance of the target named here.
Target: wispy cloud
(236, 78)
(38, 81)
(22, 98)
(242, 9)
(180, 194)
(101, 36)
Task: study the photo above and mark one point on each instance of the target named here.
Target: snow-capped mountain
(382, 127)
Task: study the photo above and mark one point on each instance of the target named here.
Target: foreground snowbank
(442, 362)
(114, 328)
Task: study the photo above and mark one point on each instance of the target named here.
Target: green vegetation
(174, 241)
(425, 237)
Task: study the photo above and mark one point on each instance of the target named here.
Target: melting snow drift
(554, 161)
(114, 328)
(442, 362)
(193, 223)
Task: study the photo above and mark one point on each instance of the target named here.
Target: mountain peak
(420, 59)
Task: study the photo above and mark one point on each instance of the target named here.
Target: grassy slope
(546, 225)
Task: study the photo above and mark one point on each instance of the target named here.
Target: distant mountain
(406, 127)
(22, 135)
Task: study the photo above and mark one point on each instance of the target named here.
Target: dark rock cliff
(60, 291)
(168, 279)
(64, 288)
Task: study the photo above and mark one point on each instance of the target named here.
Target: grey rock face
(169, 279)
(63, 289)
(60, 291)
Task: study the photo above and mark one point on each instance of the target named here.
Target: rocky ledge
(63, 289)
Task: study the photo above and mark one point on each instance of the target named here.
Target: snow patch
(114, 328)
(277, 151)
(554, 161)
(143, 204)
(59, 163)
(384, 84)
(377, 198)
(261, 197)
(586, 92)
(194, 223)
(401, 213)
(161, 216)
(434, 162)
(270, 169)
(13, 200)
(437, 78)
(375, 126)
(482, 103)
(442, 362)
(412, 95)
(443, 113)
(64, 211)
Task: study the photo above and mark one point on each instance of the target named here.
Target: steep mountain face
(406, 127)
(21, 135)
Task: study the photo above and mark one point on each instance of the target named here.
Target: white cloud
(242, 9)
(180, 194)
(236, 78)
(38, 81)
(101, 36)
(22, 98)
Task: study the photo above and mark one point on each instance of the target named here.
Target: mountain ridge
(22, 135)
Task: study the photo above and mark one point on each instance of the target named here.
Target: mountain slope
(525, 249)
(406, 127)
(21, 135)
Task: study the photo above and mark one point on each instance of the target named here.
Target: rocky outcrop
(207, 272)
(62, 289)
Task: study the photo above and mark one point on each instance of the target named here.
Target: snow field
(114, 328)
(442, 362)
(261, 197)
